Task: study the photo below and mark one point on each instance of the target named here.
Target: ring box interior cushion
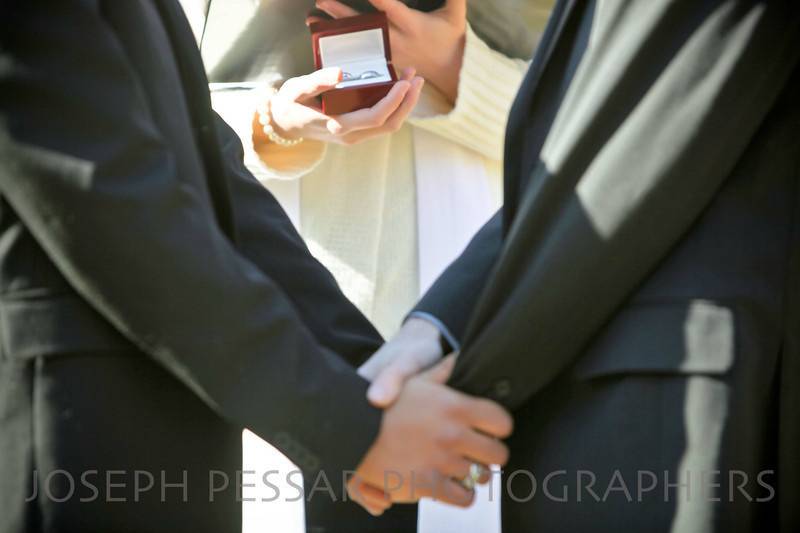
(360, 47)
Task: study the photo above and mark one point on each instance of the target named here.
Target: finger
(442, 371)
(397, 12)
(488, 417)
(374, 500)
(374, 511)
(311, 85)
(376, 364)
(296, 114)
(408, 74)
(479, 448)
(398, 117)
(373, 117)
(461, 470)
(313, 19)
(486, 475)
(386, 387)
(456, 467)
(336, 9)
(452, 492)
(396, 120)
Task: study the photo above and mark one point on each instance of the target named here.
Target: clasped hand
(430, 435)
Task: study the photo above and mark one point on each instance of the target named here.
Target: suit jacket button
(501, 389)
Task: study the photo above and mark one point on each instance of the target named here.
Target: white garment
(360, 205)
(455, 197)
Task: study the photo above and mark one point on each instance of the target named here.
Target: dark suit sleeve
(627, 185)
(266, 237)
(89, 174)
(452, 298)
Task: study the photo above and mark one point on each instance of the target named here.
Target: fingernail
(376, 393)
(333, 73)
(334, 127)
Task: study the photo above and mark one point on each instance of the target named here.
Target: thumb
(442, 371)
(311, 85)
(386, 387)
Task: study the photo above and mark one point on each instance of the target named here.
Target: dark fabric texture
(640, 310)
(128, 225)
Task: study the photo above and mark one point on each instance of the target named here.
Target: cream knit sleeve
(488, 84)
(265, 160)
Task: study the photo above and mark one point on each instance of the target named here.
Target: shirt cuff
(444, 331)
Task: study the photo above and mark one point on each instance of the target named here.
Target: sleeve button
(501, 389)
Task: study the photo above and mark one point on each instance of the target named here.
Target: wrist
(273, 131)
(445, 74)
(267, 125)
(447, 341)
(428, 339)
(419, 328)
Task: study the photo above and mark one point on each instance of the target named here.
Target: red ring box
(360, 47)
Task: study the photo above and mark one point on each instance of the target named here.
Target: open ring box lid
(360, 47)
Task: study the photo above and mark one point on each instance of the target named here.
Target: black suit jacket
(129, 221)
(649, 228)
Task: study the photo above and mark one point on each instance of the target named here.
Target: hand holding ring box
(360, 47)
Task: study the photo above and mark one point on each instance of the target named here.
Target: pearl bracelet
(266, 120)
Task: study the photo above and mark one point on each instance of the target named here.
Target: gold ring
(476, 471)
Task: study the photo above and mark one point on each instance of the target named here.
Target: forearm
(129, 225)
(186, 298)
(267, 238)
